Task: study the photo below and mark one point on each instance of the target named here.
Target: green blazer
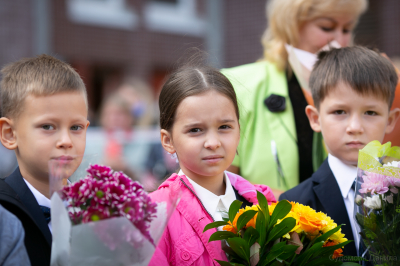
(262, 130)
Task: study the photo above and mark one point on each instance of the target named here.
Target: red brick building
(108, 40)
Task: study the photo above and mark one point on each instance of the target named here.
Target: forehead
(205, 106)
(60, 103)
(343, 93)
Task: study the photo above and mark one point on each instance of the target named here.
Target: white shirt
(216, 206)
(40, 198)
(345, 176)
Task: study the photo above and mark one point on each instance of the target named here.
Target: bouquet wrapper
(377, 203)
(114, 241)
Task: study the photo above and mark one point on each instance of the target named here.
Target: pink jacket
(183, 241)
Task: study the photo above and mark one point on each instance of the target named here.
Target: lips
(64, 158)
(355, 144)
(213, 158)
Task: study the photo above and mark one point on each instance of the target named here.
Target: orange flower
(309, 220)
(337, 253)
(233, 227)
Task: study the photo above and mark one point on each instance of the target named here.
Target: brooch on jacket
(275, 103)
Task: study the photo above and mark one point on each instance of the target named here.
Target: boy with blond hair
(353, 90)
(44, 119)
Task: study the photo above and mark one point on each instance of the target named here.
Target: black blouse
(303, 128)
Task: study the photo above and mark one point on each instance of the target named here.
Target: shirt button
(185, 255)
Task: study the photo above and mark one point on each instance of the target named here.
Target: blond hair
(39, 76)
(285, 18)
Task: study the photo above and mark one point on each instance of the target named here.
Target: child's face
(348, 121)
(50, 128)
(205, 135)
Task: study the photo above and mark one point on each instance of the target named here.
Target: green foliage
(268, 233)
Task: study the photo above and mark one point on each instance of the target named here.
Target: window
(179, 16)
(106, 13)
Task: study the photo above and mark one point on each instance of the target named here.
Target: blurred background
(123, 49)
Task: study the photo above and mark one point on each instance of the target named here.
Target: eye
(225, 127)
(339, 112)
(327, 29)
(345, 31)
(47, 127)
(76, 127)
(195, 130)
(372, 113)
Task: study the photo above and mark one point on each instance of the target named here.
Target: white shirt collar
(40, 198)
(344, 174)
(217, 206)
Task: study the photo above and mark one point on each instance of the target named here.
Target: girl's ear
(392, 119)
(313, 117)
(166, 141)
(7, 134)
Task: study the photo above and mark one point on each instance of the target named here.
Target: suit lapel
(328, 193)
(16, 182)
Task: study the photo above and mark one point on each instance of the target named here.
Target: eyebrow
(220, 121)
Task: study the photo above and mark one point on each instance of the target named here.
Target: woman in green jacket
(278, 147)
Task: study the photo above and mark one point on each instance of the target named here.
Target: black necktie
(353, 186)
(46, 213)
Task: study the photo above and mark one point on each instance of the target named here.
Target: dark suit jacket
(17, 198)
(321, 192)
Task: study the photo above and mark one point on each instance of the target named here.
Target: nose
(212, 141)
(64, 141)
(355, 125)
(341, 37)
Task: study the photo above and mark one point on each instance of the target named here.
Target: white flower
(359, 200)
(373, 202)
(392, 164)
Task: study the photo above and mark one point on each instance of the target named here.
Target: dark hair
(188, 81)
(364, 70)
(42, 75)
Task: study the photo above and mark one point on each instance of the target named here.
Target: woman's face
(316, 33)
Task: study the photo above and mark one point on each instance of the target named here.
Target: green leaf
(278, 251)
(251, 235)
(225, 263)
(233, 209)
(263, 203)
(303, 258)
(328, 251)
(245, 218)
(324, 261)
(214, 225)
(281, 229)
(325, 236)
(219, 235)
(280, 211)
(261, 228)
(240, 247)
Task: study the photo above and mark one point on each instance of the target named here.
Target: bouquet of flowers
(105, 218)
(377, 202)
(284, 233)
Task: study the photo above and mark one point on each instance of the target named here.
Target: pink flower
(394, 184)
(374, 183)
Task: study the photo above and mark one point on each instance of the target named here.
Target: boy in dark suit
(44, 108)
(353, 90)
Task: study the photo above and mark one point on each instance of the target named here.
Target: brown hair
(189, 81)
(41, 76)
(364, 70)
(286, 17)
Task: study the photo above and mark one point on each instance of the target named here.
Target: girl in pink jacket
(199, 120)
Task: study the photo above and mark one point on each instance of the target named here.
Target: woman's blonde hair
(285, 18)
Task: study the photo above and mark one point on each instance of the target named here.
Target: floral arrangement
(105, 218)
(104, 194)
(378, 202)
(284, 233)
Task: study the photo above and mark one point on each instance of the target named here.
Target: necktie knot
(46, 213)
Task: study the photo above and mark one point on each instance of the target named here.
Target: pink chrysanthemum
(374, 183)
(103, 194)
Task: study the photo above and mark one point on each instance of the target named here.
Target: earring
(174, 156)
